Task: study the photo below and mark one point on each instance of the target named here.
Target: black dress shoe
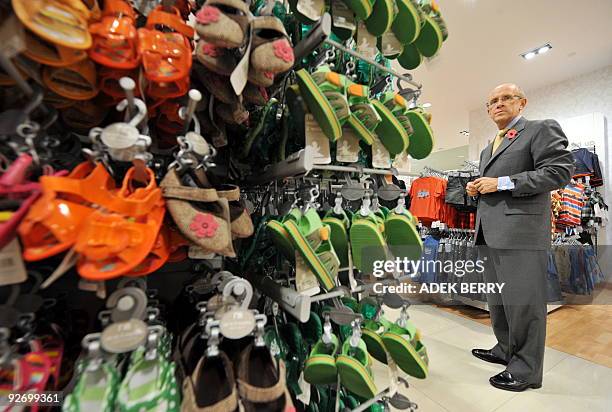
(488, 356)
(504, 380)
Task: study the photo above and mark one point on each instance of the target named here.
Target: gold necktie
(498, 139)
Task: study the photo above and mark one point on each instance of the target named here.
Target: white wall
(588, 94)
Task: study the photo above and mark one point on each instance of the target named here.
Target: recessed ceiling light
(461, 157)
(530, 54)
(426, 105)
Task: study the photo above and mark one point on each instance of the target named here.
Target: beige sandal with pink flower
(223, 23)
(200, 214)
(271, 51)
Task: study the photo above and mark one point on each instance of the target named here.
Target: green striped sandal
(307, 12)
(320, 367)
(338, 236)
(430, 39)
(364, 117)
(279, 235)
(95, 390)
(390, 131)
(353, 366)
(381, 18)
(407, 23)
(367, 243)
(362, 8)
(149, 385)
(389, 45)
(410, 58)
(334, 87)
(407, 350)
(311, 239)
(422, 137)
(320, 106)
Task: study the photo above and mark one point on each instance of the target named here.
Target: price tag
(347, 147)
(402, 163)
(306, 281)
(312, 9)
(237, 323)
(122, 337)
(317, 141)
(381, 159)
(12, 268)
(366, 42)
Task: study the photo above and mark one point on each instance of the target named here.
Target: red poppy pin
(511, 134)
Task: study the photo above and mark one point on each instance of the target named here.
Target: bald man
(524, 162)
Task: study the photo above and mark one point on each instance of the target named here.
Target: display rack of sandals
(193, 198)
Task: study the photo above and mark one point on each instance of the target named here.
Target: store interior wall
(579, 96)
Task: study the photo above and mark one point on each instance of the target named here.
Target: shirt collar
(513, 122)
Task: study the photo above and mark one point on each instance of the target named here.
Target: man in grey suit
(521, 166)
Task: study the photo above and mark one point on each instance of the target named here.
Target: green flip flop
(367, 243)
(307, 12)
(280, 237)
(381, 18)
(403, 237)
(410, 58)
(94, 390)
(422, 138)
(320, 367)
(320, 106)
(407, 23)
(407, 350)
(353, 366)
(338, 237)
(311, 239)
(361, 8)
(431, 37)
(370, 333)
(390, 131)
(364, 117)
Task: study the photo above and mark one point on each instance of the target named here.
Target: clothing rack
(428, 171)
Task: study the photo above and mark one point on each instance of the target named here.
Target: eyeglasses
(504, 99)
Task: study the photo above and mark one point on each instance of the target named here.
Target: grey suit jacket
(538, 162)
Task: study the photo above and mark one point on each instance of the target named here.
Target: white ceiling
(485, 40)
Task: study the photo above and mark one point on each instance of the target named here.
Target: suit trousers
(518, 313)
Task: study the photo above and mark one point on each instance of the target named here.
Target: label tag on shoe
(317, 141)
(304, 386)
(237, 323)
(366, 42)
(306, 281)
(240, 75)
(312, 9)
(12, 268)
(342, 16)
(196, 252)
(402, 163)
(391, 46)
(122, 337)
(381, 159)
(347, 147)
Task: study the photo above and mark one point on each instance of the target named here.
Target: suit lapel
(519, 126)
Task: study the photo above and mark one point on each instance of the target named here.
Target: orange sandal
(115, 240)
(115, 37)
(50, 54)
(158, 256)
(166, 56)
(55, 219)
(76, 82)
(108, 82)
(60, 22)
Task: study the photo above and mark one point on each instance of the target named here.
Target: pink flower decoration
(210, 50)
(268, 75)
(204, 225)
(283, 50)
(207, 15)
(511, 134)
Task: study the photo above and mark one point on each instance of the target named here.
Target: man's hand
(486, 185)
(471, 190)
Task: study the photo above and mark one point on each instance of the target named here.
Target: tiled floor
(458, 382)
